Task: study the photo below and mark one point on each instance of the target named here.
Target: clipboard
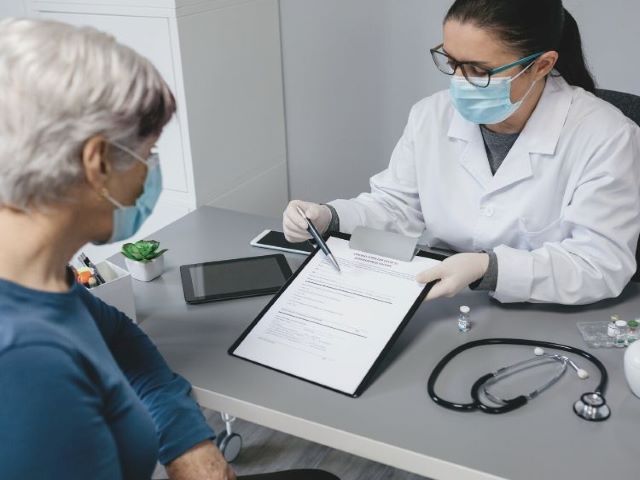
(389, 343)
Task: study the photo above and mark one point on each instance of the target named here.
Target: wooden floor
(266, 450)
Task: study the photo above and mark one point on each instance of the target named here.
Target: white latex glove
(295, 227)
(455, 274)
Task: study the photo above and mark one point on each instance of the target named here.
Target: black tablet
(237, 278)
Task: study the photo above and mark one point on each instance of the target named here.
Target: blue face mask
(489, 105)
(128, 220)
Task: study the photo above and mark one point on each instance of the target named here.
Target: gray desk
(394, 422)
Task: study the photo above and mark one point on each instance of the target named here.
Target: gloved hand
(455, 273)
(295, 227)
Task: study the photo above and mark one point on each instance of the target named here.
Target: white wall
(611, 35)
(353, 68)
(12, 8)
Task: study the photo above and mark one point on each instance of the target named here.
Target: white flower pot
(145, 272)
(632, 367)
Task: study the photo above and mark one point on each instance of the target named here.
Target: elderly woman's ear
(94, 161)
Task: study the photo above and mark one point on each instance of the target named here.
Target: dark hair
(157, 113)
(529, 27)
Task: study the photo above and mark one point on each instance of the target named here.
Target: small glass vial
(612, 329)
(464, 321)
(621, 337)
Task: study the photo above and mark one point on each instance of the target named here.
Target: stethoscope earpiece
(582, 374)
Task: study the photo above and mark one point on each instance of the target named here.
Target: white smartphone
(274, 240)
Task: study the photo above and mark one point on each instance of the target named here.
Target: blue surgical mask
(127, 220)
(489, 105)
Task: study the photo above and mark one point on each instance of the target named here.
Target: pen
(319, 240)
(85, 260)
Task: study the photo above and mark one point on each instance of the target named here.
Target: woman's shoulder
(31, 319)
(29, 334)
(595, 114)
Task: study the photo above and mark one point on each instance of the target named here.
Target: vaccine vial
(464, 320)
(612, 329)
(621, 338)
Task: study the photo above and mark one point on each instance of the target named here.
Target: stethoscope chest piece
(592, 407)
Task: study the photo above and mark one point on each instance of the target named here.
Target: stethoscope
(591, 406)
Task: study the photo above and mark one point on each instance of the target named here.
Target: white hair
(59, 86)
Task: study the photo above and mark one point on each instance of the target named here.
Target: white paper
(330, 327)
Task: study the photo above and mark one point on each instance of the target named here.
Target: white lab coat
(562, 213)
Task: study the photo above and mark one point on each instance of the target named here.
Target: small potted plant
(144, 259)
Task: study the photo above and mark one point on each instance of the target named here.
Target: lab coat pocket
(535, 238)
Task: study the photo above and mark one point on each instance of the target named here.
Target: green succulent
(633, 324)
(142, 251)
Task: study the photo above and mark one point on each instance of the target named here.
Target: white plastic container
(145, 272)
(632, 367)
(117, 291)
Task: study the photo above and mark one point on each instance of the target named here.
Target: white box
(118, 289)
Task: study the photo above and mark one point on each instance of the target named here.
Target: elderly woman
(84, 394)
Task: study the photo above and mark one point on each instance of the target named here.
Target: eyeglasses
(475, 75)
(152, 160)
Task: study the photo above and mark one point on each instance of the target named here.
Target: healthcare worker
(518, 165)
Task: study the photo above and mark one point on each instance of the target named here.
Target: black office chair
(629, 105)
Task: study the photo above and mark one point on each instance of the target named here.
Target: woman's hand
(202, 462)
(454, 274)
(295, 227)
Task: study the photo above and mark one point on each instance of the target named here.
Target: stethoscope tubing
(506, 372)
(512, 404)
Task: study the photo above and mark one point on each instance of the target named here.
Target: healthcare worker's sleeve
(597, 258)
(166, 395)
(393, 204)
